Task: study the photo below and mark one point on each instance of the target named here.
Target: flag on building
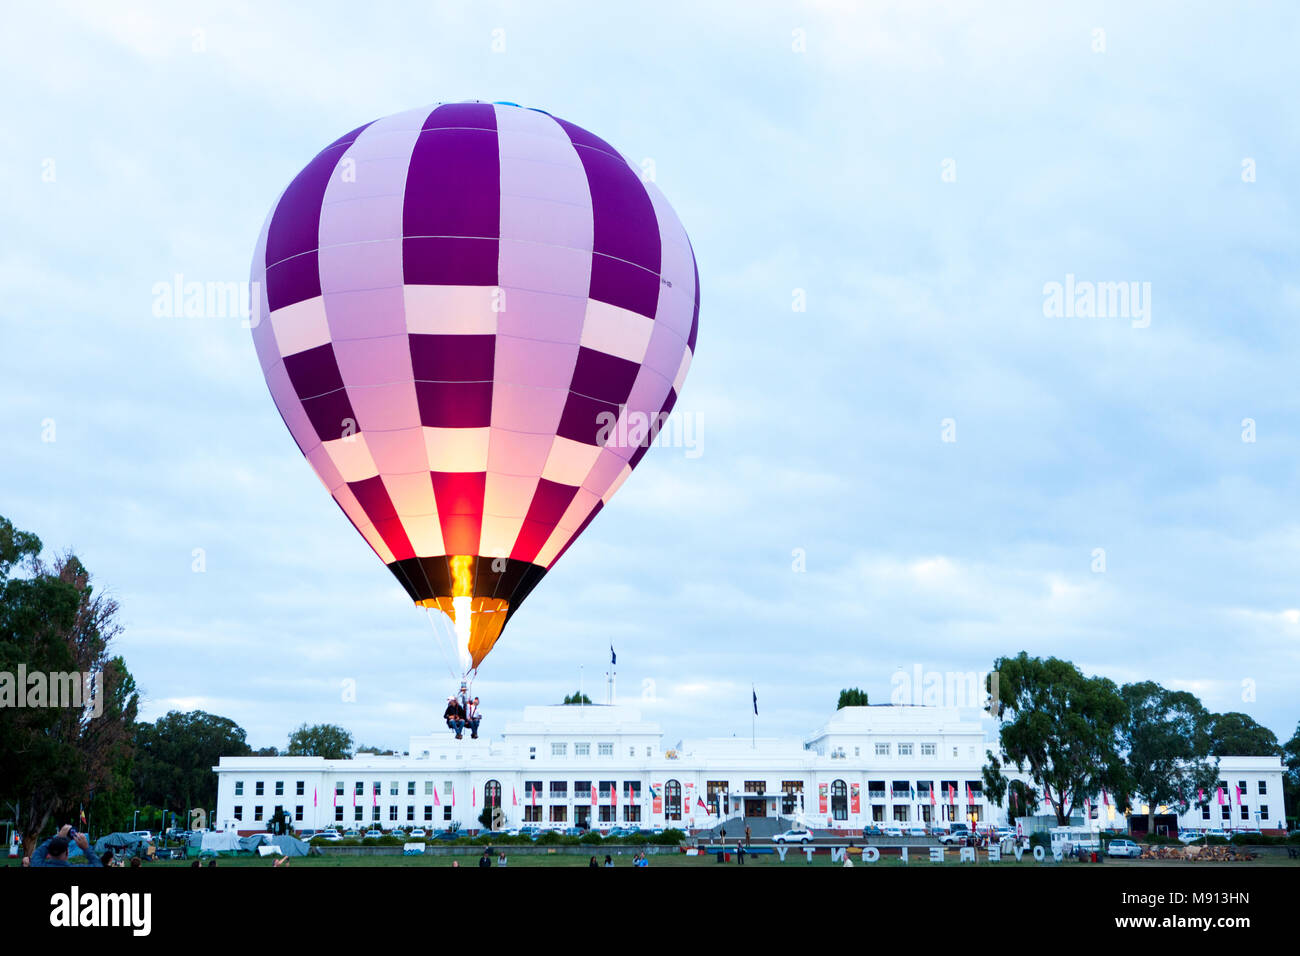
(514, 796)
(436, 801)
(533, 794)
(313, 797)
(1218, 792)
(593, 794)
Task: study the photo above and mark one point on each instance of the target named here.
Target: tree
(379, 751)
(1018, 797)
(1165, 736)
(66, 734)
(1237, 735)
(175, 756)
(321, 740)
(1291, 779)
(852, 697)
(1060, 728)
(577, 697)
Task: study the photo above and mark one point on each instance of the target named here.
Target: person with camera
(54, 851)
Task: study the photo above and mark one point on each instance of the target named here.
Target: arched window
(673, 808)
(839, 800)
(492, 794)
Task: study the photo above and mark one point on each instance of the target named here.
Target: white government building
(603, 766)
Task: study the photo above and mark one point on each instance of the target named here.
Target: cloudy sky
(902, 455)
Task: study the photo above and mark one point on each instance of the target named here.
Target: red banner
(657, 801)
(855, 799)
(821, 798)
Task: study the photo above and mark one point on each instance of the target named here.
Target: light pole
(135, 819)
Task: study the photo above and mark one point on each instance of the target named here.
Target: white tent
(220, 842)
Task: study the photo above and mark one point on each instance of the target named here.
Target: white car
(891, 829)
(418, 833)
(1123, 848)
(916, 830)
(794, 836)
(146, 835)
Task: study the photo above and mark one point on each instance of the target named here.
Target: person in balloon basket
(472, 718)
(455, 716)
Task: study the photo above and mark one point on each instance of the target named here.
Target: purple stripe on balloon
(452, 205)
(658, 425)
(605, 377)
(295, 228)
(453, 358)
(580, 137)
(626, 245)
(695, 316)
(331, 415)
(314, 371)
(454, 404)
(586, 419)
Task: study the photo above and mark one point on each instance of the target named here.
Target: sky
(902, 455)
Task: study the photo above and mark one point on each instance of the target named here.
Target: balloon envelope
(473, 318)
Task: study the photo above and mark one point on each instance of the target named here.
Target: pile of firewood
(1209, 854)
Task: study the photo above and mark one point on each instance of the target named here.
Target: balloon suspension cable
(442, 645)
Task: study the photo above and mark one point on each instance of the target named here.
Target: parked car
(531, 832)
(915, 829)
(351, 834)
(803, 837)
(374, 834)
(418, 833)
(957, 834)
(891, 830)
(1123, 848)
(145, 835)
(400, 834)
(1189, 836)
(1217, 832)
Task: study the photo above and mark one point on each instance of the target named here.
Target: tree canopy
(852, 697)
(1238, 735)
(320, 740)
(175, 756)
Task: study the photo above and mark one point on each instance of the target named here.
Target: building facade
(604, 766)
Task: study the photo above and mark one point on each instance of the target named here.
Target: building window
(374, 814)
(1227, 812)
(901, 812)
(428, 788)
(239, 788)
(582, 790)
(1245, 812)
(559, 790)
(582, 750)
(1205, 812)
(1263, 787)
(900, 790)
(492, 793)
(338, 814)
(875, 789)
(279, 788)
(929, 750)
(857, 751)
(631, 814)
(532, 790)
(632, 790)
(673, 801)
(840, 800)
(1263, 811)
(338, 788)
(607, 813)
(259, 788)
(359, 787)
(239, 813)
(792, 790)
(756, 786)
(392, 813)
(410, 814)
(715, 796)
(446, 814)
(301, 787)
(631, 751)
(905, 750)
(410, 788)
(428, 813)
(648, 752)
(559, 750)
(392, 788)
(606, 788)
(882, 750)
(532, 753)
(297, 814)
(377, 787)
(257, 814)
(604, 750)
(559, 814)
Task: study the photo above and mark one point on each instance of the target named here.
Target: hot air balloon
(473, 318)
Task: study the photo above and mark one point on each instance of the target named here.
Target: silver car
(1123, 848)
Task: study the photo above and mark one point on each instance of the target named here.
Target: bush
(1040, 839)
(590, 837)
(670, 837)
(1159, 839)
